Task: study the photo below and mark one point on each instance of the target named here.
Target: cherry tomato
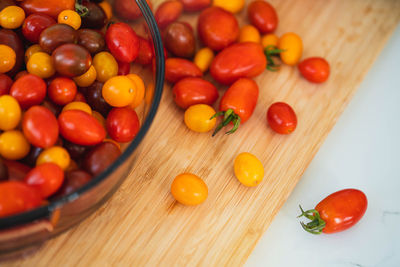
(168, 12)
(248, 169)
(145, 55)
(10, 113)
(128, 10)
(100, 157)
(314, 69)
(20, 74)
(195, 5)
(80, 128)
(140, 89)
(269, 40)
(233, 6)
(262, 15)
(48, 7)
(73, 181)
(6, 3)
(57, 35)
(179, 40)
(119, 91)
(5, 84)
(11, 39)
(281, 118)
(122, 42)
(123, 68)
(7, 58)
(75, 151)
(71, 60)
(3, 171)
(41, 64)
(95, 18)
(13, 145)
(80, 98)
(106, 8)
(34, 24)
(62, 90)
(32, 50)
(16, 197)
(203, 58)
(190, 91)
(77, 105)
(238, 103)
(337, 212)
(197, 118)
(242, 60)
(32, 156)
(40, 126)
(95, 99)
(16, 170)
(292, 45)
(122, 124)
(249, 33)
(100, 119)
(189, 189)
(179, 68)
(87, 78)
(46, 178)
(12, 17)
(55, 154)
(106, 66)
(29, 90)
(92, 40)
(70, 18)
(217, 28)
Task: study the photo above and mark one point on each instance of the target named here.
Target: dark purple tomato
(95, 98)
(95, 18)
(92, 40)
(6, 3)
(73, 180)
(71, 60)
(10, 38)
(57, 35)
(179, 40)
(3, 171)
(34, 24)
(100, 157)
(16, 170)
(76, 152)
(31, 158)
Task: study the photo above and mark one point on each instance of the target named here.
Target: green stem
(81, 9)
(316, 224)
(269, 52)
(229, 116)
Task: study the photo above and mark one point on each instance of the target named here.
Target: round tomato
(262, 15)
(34, 24)
(106, 66)
(7, 58)
(73, 181)
(86, 79)
(98, 158)
(62, 90)
(41, 64)
(78, 105)
(13, 145)
(10, 113)
(119, 91)
(55, 154)
(249, 33)
(314, 69)
(140, 89)
(32, 50)
(46, 178)
(5, 84)
(248, 169)
(29, 90)
(197, 118)
(189, 189)
(122, 124)
(281, 118)
(190, 91)
(122, 42)
(70, 18)
(71, 60)
(12, 17)
(95, 99)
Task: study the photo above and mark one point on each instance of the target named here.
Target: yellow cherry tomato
(119, 91)
(99, 118)
(79, 106)
(248, 169)
(106, 8)
(233, 6)
(189, 189)
(269, 40)
(293, 46)
(41, 64)
(12, 17)
(86, 79)
(13, 145)
(106, 66)
(57, 155)
(7, 58)
(10, 112)
(249, 33)
(203, 58)
(70, 18)
(197, 118)
(140, 88)
(32, 50)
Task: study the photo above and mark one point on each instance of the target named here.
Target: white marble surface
(362, 151)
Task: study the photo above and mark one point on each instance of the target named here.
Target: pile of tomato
(67, 97)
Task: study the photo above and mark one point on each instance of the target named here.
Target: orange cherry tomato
(86, 79)
(189, 189)
(119, 91)
(203, 58)
(249, 33)
(10, 113)
(32, 50)
(281, 118)
(197, 118)
(7, 58)
(140, 89)
(12, 17)
(269, 40)
(55, 154)
(106, 66)
(314, 69)
(70, 18)
(107, 9)
(78, 105)
(41, 64)
(13, 145)
(46, 178)
(292, 45)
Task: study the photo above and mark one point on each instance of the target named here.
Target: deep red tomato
(80, 128)
(17, 197)
(195, 5)
(238, 104)
(168, 12)
(123, 68)
(48, 7)
(16, 170)
(5, 84)
(281, 118)
(92, 40)
(314, 69)
(129, 10)
(95, 18)
(46, 178)
(10, 38)
(217, 28)
(190, 91)
(57, 35)
(73, 181)
(79, 97)
(100, 157)
(62, 90)
(241, 60)
(179, 39)
(263, 16)
(6, 3)
(3, 171)
(71, 60)
(145, 55)
(40, 126)
(34, 24)
(29, 90)
(179, 68)
(122, 124)
(337, 212)
(122, 42)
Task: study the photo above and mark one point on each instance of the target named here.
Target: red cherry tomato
(5, 84)
(128, 10)
(73, 181)
(263, 16)
(100, 157)
(80, 128)
(40, 126)
(48, 7)
(29, 90)
(314, 69)
(337, 212)
(281, 118)
(179, 68)
(122, 124)
(17, 197)
(34, 24)
(16, 170)
(46, 178)
(190, 91)
(145, 55)
(123, 68)
(122, 42)
(195, 5)
(62, 90)
(168, 12)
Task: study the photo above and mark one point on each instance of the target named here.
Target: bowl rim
(45, 211)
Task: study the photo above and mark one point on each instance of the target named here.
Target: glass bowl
(23, 233)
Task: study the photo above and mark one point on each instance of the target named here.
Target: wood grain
(142, 225)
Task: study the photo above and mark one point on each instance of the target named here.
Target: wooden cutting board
(143, 225)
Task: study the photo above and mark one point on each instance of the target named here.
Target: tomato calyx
(316, 225)
(81, 9)
(229, 116)
(269, 52)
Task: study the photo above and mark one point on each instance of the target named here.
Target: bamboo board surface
(142, 225)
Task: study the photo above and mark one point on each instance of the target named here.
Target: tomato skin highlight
(46, 178)
(314, 69)
(122, 124)
(190, 91)
(195, 5)
(262, 15)
(189, 189)
(168, 12)
(281, 118)
(122, 42)
(48, 7)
